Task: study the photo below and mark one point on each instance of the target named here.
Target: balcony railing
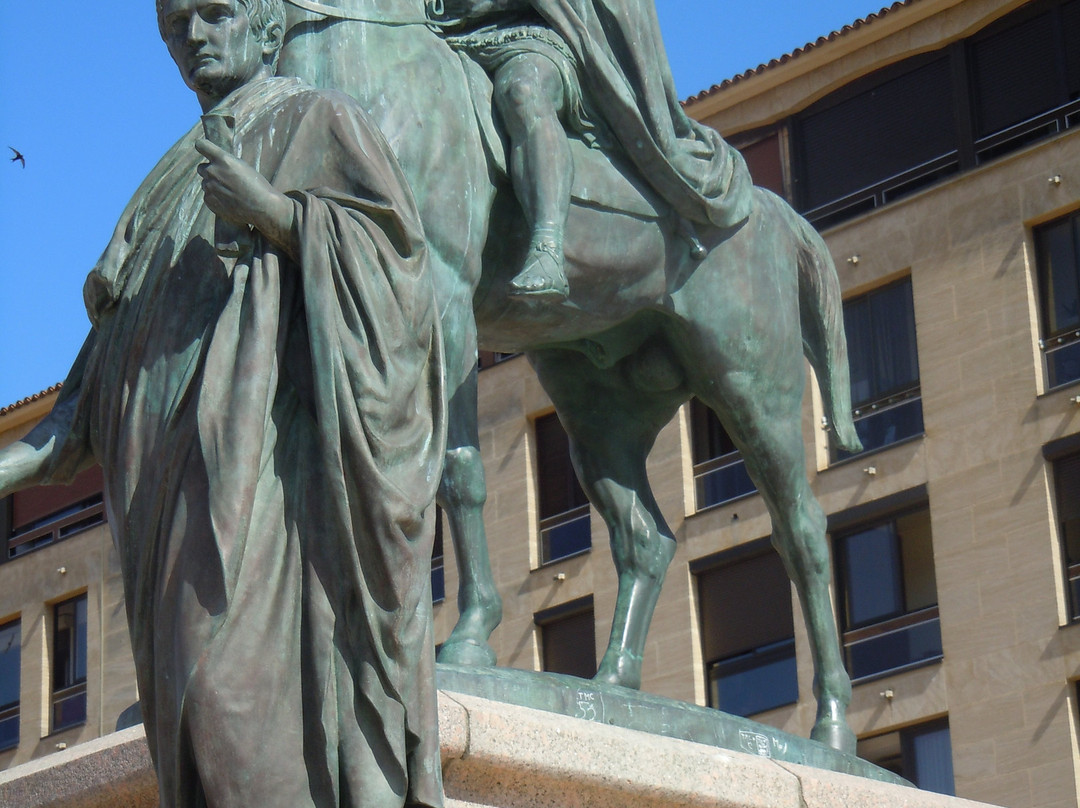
(84, 516)
(9, 727)
(69, 706)
(565, 534)
(1062, 354)
(886, 421)
(894, 645)
(721, 479)
(987, 148)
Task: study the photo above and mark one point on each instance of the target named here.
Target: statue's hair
(262, 14)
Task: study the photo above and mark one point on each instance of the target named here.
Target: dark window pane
(69, 710)
(1067, 501)
(719, 470)
(559, 488)
(888, 591)
(874, 581)
(9, 732)
(10, 638)
(921, 754)
(569, 644)
(10, 657)
(930, 754)
(1063, 364)
(747, 634)
(1016, 74)
(724, 484)
(759, 680)
(566, 538)
(438, 577)
(69, 663)
(1057, 247)
(884, 362)
(1070, 24)
(881, 428)
(874, 135)
(564, 512)
(764, 160)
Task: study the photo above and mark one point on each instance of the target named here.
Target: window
(884, 364)
(877, 140)
(747, 632)
(1057, 256)
(488, 359)
(438, 576)
(568, 638)
(1067, 496)
(764, 159)
(1025, 77)
(69, 663)
(10, 656)
(46, 514)
(888, 595)
(719, 471)
(921, 754)
(564, 508)
(913, 123)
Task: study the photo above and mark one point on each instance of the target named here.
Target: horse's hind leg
(766, 426)
(612, 424)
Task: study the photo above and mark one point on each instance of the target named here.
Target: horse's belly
(617, 266)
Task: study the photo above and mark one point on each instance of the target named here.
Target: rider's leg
(529, 94)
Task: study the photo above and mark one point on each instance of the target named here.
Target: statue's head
(220, 45)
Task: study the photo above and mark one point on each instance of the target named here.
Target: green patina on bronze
(665, 299)
(619, 707)
(263, 390)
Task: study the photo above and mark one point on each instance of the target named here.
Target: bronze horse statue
(647, 326)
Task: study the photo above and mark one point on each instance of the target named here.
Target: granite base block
(498, 755)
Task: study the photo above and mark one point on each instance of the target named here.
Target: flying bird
(18, 156)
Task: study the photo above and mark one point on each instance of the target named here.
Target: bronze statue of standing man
(262, 387)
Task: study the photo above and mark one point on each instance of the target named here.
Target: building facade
(936, 147)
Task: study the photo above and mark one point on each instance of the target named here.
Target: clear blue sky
(93, 100)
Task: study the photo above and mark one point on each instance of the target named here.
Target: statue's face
(213, 44)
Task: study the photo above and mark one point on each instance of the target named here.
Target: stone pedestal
(508, 756)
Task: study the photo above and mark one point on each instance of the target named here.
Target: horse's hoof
(836, 734)
(625, 671)
(469, 652)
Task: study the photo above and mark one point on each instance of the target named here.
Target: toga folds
(271, 431)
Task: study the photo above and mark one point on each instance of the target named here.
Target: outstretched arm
(49, 453)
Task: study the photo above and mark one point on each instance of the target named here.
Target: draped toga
(271, 432)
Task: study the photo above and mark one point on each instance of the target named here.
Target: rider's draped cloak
(270, 431)
(627, 81)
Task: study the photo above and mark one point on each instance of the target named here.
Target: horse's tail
(821, 314)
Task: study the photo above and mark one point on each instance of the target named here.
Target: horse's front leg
(462, 493)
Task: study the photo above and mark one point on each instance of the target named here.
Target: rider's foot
(543, 276)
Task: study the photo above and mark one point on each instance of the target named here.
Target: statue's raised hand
(235, 191)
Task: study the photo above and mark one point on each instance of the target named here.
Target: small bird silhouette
(18, 156)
